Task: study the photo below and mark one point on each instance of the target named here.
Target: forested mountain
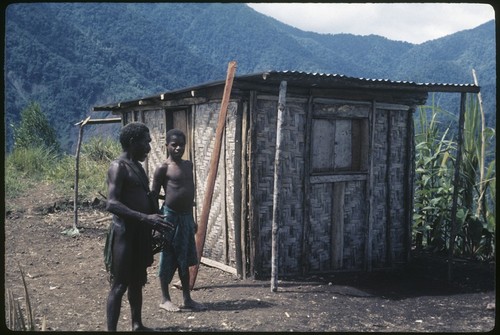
(71, 56)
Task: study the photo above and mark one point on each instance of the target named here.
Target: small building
(348, 167)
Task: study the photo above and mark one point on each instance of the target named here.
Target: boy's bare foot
(169, 306)
(193, 305)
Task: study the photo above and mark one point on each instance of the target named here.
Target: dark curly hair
(132, 130)
(175, 132)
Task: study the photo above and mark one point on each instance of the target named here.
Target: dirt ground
(68, 286)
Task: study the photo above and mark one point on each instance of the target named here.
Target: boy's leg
(189, 303)
(166, 273)
(167, 303)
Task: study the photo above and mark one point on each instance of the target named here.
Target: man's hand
(157, 222)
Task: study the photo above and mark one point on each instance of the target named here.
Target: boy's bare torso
(178, 185)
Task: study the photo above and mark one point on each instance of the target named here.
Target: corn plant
(434, 184)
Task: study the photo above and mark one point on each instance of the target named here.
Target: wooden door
(180, 119)
(337, 179)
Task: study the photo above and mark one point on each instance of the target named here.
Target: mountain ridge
(70, 57)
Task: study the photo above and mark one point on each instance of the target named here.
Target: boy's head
(176, 143)
(175, 132)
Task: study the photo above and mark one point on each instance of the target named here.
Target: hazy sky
(410, 22)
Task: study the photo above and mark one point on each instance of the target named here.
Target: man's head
(176, 143)
(135, 138)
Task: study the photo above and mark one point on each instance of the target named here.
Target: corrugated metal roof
(306, 79)
(311, 80)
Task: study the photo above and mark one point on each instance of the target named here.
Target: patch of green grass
(24, 168)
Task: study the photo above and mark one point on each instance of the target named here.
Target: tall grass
(26, 167)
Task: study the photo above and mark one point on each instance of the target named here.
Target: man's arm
(159, 181)
(116, 178)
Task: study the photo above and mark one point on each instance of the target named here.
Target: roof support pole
(369, 188)
(458, 163)
(277, 186)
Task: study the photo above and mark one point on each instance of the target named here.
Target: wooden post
(388, 185)
(77, 171)
(212, 173)
(454, 203)
(369, 187)
(277, 186)
(480, 200)
(304, 259)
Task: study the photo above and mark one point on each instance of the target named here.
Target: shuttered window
(339, 145)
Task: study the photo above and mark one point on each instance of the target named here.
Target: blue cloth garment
(180, 254)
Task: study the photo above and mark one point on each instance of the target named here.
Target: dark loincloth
(129, 264)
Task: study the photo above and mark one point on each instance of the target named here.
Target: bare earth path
(67, 283)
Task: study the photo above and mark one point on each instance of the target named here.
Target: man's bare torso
(133, 192)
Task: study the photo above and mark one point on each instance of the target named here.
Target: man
(134, 215)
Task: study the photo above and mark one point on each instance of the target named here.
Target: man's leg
(135, 300)
(114, 304)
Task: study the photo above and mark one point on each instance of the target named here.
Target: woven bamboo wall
(155, 120)
(354, 225)
(219, 243)
(263, 155)
(321, 211)
(318, 250)
(379, 190)
(388, 233)
(398, 136)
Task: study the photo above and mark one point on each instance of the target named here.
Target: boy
(176, 178)
(128, 249)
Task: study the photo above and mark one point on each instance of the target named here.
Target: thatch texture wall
(391, 157)
(264, 120)
(219, 243)
(334, 191)
(326, 220)
(155, 120)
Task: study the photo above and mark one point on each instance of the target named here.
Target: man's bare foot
(141, 328)
(169, 306)
(193, 305)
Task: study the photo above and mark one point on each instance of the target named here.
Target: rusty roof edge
(263, 76)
